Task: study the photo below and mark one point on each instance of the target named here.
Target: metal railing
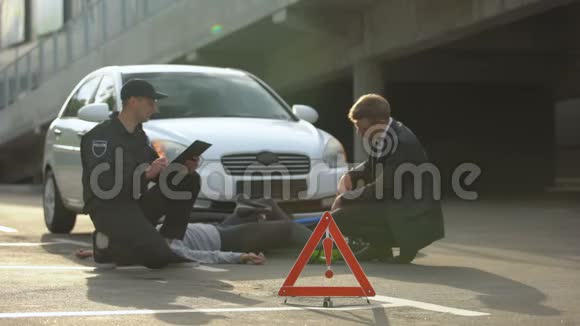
(98, 23)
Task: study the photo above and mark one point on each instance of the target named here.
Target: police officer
(118, 164)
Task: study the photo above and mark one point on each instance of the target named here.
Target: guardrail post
(86, 30)
(55, 51)
(69, 48)
(124, 13)
(40, 61)
(5, 86)
(8, 88)
(16, 79)
(29, 70)
(104, 19)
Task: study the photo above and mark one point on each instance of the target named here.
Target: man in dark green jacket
(390, 200)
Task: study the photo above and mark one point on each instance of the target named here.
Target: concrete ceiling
(349, 5)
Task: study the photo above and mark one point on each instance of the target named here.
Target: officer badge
(99, 147)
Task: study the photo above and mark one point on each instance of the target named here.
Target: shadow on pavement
(523, 225)
(379, 315)
(147, 289)
(495, 292)
(180, 288)
(143, 289)
(67, 251)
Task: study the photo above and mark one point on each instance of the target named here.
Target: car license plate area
(275, 189)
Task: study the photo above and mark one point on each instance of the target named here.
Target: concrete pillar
(567, 146)
(567, 134)
(367, 78)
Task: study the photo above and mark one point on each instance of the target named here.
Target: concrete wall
(394, 29)
(178, 29)
(389, 28)
(324, 55)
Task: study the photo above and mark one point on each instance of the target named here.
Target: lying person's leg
(276, 213)
(256, 237)
(246, 211)
(252, 211)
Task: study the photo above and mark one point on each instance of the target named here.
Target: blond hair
(370, 106)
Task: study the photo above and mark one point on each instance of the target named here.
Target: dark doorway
(506, 129)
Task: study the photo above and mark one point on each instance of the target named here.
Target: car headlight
(167, 148)
(334, 155)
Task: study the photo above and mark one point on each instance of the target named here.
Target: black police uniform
(125, 215)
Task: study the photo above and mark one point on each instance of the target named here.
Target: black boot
(365, 251)
(406, 256)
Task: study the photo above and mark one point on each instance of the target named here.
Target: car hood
(241, 135)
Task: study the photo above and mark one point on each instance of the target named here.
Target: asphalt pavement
(503, 262)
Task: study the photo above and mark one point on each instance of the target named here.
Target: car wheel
(58, 219)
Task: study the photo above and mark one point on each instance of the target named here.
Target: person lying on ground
(231, 244)
(239, 237)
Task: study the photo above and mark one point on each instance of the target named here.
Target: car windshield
(198, 95)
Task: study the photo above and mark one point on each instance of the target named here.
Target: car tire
(57, 217)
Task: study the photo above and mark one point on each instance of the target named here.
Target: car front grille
(250, 164)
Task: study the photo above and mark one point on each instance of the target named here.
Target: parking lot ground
(501, 263)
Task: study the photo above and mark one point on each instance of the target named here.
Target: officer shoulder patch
(99, 147)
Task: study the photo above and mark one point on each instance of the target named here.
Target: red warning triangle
(325, 224)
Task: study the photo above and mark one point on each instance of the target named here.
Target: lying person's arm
(251, 257)
(215, 257)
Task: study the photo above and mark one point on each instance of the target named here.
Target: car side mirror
(305, 112)
(96, 112)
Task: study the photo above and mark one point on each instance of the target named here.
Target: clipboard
(195, 149)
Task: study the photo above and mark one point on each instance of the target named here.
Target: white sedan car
(262, 147)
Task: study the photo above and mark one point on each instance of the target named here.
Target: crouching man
(118, 163)
(378, 201)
